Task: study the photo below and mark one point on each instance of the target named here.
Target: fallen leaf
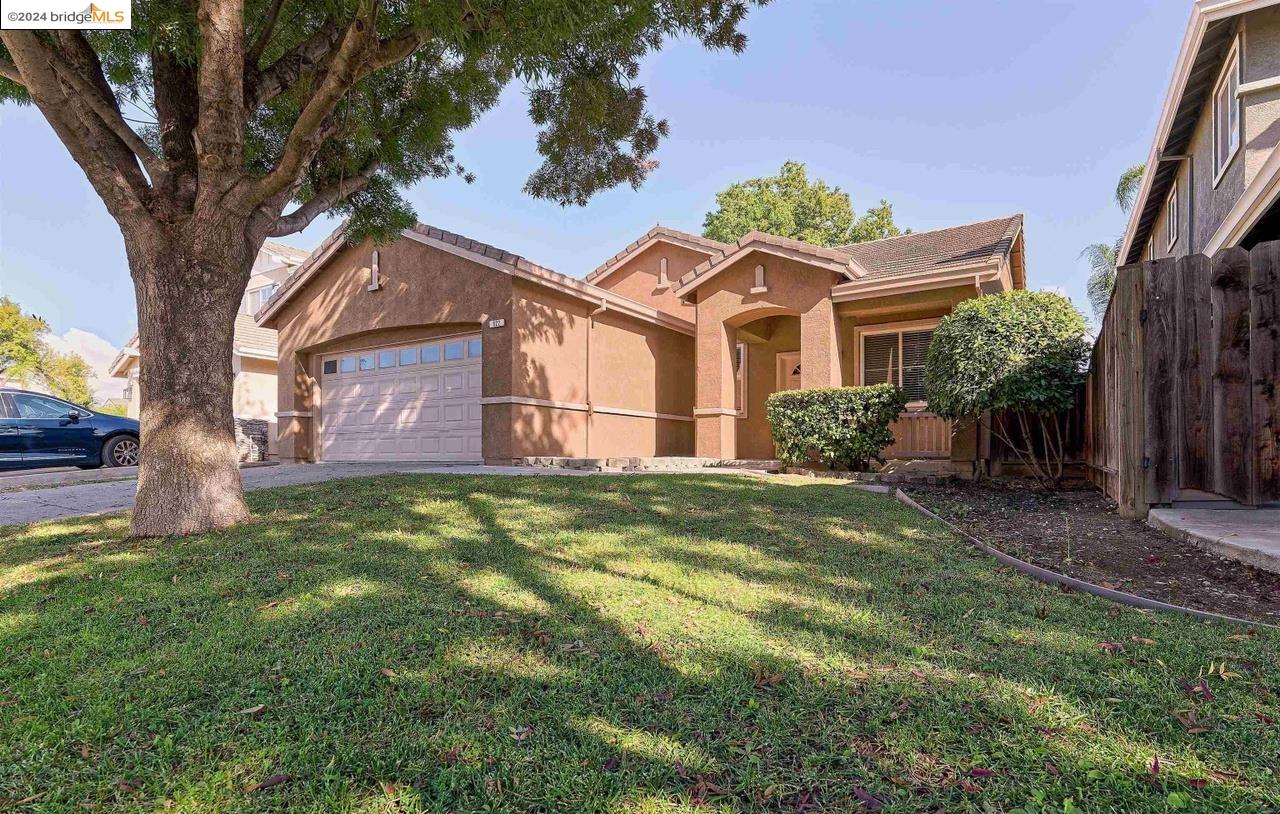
(1266, 719)
(254, 711)
(612, 763)
(969, 787)
(869, 801)
(270, 783)
(452, 756)
(1052, 768)
(1154, 768)
(1198, 782)
(269, 605)
(764, 678)
(519, 733)
(1110, 647)
(388, 672)
(1142, 640)
(981, 772)
(1206, 693)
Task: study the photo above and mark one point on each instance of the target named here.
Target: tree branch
(322, 201)
(308, 132)
(119, 183)
(81, 69)
(264, 35)
(10, 71)
(304, 59)
(219, 136)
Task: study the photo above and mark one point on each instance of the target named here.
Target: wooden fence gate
(1183, 394)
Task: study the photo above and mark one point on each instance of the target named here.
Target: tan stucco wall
(638, 277)
(541, 352)
(255, 391)
(725, 302)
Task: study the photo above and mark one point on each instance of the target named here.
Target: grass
(610, 644)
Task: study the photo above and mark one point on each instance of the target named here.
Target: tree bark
(189, 280)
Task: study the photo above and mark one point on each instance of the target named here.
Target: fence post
(1264, 368)
(1160, 382)
(1194, 351)
(1130, 386)
(1232, 403)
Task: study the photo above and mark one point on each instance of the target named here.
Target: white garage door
(418, 402)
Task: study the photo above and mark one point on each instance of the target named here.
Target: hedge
(839, 426)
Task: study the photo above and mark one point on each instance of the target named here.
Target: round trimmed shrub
(839, 426)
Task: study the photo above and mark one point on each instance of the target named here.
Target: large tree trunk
(189, 281)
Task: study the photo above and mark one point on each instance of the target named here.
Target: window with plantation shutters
(897, 358)
(915, 346)
(880, 359)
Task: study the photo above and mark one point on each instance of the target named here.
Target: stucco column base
(716, 437)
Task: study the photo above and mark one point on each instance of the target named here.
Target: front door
(53, 432)
(789, 371)
(10, 437)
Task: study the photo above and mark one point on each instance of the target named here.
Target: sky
(953, 112)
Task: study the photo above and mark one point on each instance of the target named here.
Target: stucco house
(254, 347)
(438, 347)
(1213, 173)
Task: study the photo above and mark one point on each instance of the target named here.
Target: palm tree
(1101, 256)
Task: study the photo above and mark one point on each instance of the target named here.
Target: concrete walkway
(1249, 535)
(79, 499)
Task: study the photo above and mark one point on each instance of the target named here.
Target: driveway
(78, 499)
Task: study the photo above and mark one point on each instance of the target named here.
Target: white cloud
(99, 353)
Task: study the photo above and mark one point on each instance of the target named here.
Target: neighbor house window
(897, 358)
(740, 379)
(1171, 216)
(1226, 113)
(255, 299)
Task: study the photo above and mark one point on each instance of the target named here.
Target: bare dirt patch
(1077, 532)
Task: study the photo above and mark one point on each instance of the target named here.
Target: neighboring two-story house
(254, 347)
(1213, 174)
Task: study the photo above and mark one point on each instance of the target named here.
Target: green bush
(840, 426)
(1014, 360)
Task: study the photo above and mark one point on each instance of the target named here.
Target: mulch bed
(1077, 532)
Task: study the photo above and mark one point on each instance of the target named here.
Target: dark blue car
(40, 430)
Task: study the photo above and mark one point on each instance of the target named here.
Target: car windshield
(30, 406)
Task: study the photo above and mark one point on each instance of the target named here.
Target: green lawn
(643, 644)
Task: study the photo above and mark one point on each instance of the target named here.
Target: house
(438, 347)
(1213, 173)
(254, 347)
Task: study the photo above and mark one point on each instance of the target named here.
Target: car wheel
(122, 450)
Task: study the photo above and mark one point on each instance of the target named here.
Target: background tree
(789, 205)
(1103, 257)
(251, 106)
(26, 357)
(1013, 361)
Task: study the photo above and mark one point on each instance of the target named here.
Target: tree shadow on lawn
(597, 644)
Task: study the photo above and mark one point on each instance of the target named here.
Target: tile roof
(253, 339)
(657, 232)
(292, 254)
(938, 250)
(836, 259)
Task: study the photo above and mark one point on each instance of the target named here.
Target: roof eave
(1203, 13)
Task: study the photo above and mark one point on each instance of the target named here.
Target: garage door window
(367, 362)
(453, 351)
(348, 364)
(430, 353)
(387, 358)
(408, 356)
(473, 349)
(330, 366)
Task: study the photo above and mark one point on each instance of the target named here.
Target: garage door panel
(412, 407)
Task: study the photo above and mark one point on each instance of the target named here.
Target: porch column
(820, 346)
(714, 392)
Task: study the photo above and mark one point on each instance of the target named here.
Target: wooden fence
(920, 435)
(1183, 396)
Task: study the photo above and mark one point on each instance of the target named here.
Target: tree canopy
(336, 104)
(790, 205)
(27, 359)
